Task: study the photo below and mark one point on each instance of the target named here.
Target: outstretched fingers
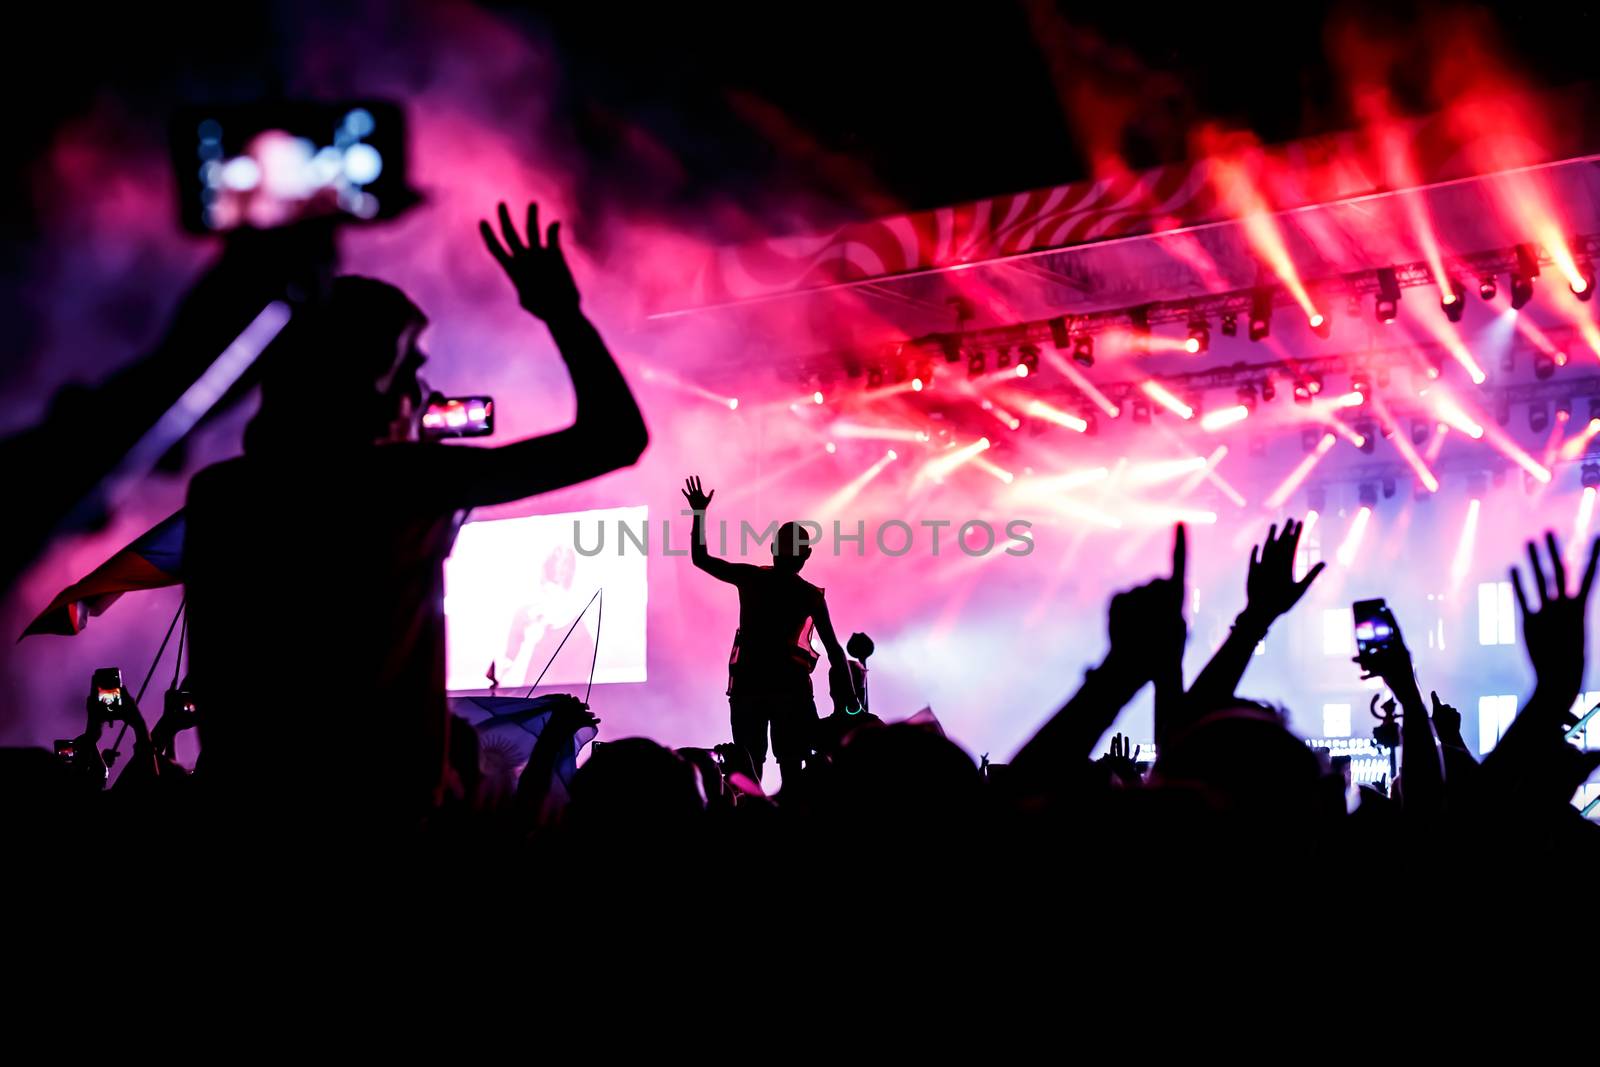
(1538, 573)
(509, 231)
(1180, 557)
(492, 243)
(1558, 569)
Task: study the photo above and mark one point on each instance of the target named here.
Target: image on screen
(514, 586)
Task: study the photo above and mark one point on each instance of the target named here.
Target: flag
(517, 723)
(152, 562)
(926, 718)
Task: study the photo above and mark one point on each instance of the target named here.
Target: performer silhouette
(769, 671)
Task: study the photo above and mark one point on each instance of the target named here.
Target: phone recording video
(268, 165)
(1376, 631)
(107, 686)
(458, 416)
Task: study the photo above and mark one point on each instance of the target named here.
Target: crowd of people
(362, 746)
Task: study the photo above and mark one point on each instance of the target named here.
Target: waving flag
(153, 561)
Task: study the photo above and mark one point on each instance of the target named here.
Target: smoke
(991, 644)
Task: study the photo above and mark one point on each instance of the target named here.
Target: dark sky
(876, 105)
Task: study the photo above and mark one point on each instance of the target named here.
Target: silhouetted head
(345, 373)
(635, 784)
(860, 646)
(904, 773)
(1247, 764)
(791, 548)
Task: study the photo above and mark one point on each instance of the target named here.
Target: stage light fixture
(1420, 431)
(1522, 277)
(1360, 382)
(1487, 287)
(1302, 392)
(1387, 304)
(975, 365)
(1002, 357)
(1453, 299)
(1140, 411)
(1028, 356)
(1594, 408)
(1320, 324)
(1583, 286)
(1083, 350)
(951, 347)
(1247, 397)
(1543, 366)
(1230, 324)
(1199, 339)
(1564, 409)
(1091, 422)
(1502, 408)
(874, 377)
(1539, 417)
(1589, 474)
(1367, 495)
(1388, 487)
(1260, 314)
(1368, 438)
(1269, 392)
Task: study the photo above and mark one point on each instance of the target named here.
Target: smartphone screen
(1375, 627)
(107, 685)
(268, 165)
(459, 416)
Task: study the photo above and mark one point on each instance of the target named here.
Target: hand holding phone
(458, 416)
(1380, 649)
(106, 689)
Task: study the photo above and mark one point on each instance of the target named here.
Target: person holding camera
(314, 564)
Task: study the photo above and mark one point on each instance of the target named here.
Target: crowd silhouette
(355, 606)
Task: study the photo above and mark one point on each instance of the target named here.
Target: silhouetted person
(314, 563)
(769, 672)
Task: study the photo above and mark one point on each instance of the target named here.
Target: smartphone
(458, 416)
(67, 751)
(268, 165)
(107, 686)
(1376, 630)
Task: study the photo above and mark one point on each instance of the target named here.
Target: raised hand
(1446, 720)
(1270, 588)
(1123, 760)
(1554, 631)
(568, 715)
(698, 499)
(539, 271)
